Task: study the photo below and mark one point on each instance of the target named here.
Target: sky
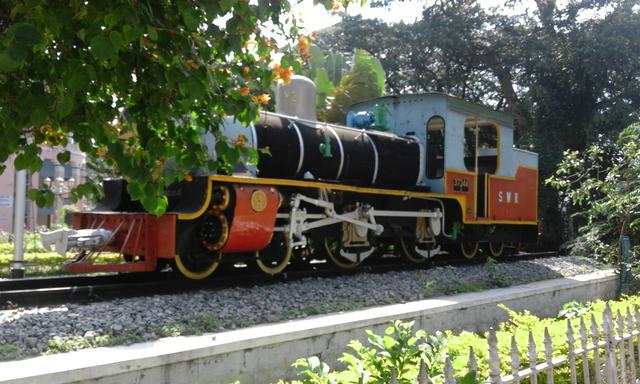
(316, 17)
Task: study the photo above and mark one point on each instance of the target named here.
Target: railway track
(83, 289)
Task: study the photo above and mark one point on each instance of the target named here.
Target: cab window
(435, 147)
(480, 145)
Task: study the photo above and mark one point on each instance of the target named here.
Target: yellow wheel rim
(469, 253)
(274, 269)
(406, 252)
(496, 249)
(340, 263)
(196, 275)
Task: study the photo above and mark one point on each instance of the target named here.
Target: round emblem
(258, 200)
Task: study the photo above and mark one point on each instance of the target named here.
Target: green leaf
(194, 89)
(7, 64)
(102, 48)
(323, 84)
(48, 197)
(63, 157)
(33, 194)
(211, 9)
(221, 147)
(190, 19)
(362, 56)
(232, 156)
(28, 159)
(65, 106)
(18, 52)
(161, 206)
(38, 117)
(317, 57)
(22, 161)
(26, 34)
(226, 5)
(79, 79)
(117, 40)
(135, 190)
(152, 32)
(130, 33)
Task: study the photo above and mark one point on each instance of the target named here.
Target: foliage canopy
(604, 183)
(135, 83)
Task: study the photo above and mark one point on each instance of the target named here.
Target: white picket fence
(614, 350)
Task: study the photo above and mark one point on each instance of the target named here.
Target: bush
(401, 349)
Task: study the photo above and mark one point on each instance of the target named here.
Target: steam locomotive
(415, 175)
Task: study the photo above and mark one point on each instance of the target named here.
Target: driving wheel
(469, 249)
(347, 247)
(275, 257)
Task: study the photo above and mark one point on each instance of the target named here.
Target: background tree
(134, 83)
(568, 74)
(341, 82)
(603, 182)
(365, 81)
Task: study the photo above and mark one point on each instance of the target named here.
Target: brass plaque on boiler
(258, 200)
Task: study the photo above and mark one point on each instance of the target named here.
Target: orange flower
(244, 91)
(101, 152)
(188, 178)
(192, 64)
(246, 70)
(303, 45)
(241, 140)
(283, 74)
(264, 99)
(336, 6)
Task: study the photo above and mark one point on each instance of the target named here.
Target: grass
(38, 261)
(497, 276)
(195, 326)
(43, 263)
(8, 351)
(74, 343)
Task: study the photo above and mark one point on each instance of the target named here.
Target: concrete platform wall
(263, 354)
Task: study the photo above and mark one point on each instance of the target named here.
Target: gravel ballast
(33, 331)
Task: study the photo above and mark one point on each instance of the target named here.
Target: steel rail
(83, 289)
